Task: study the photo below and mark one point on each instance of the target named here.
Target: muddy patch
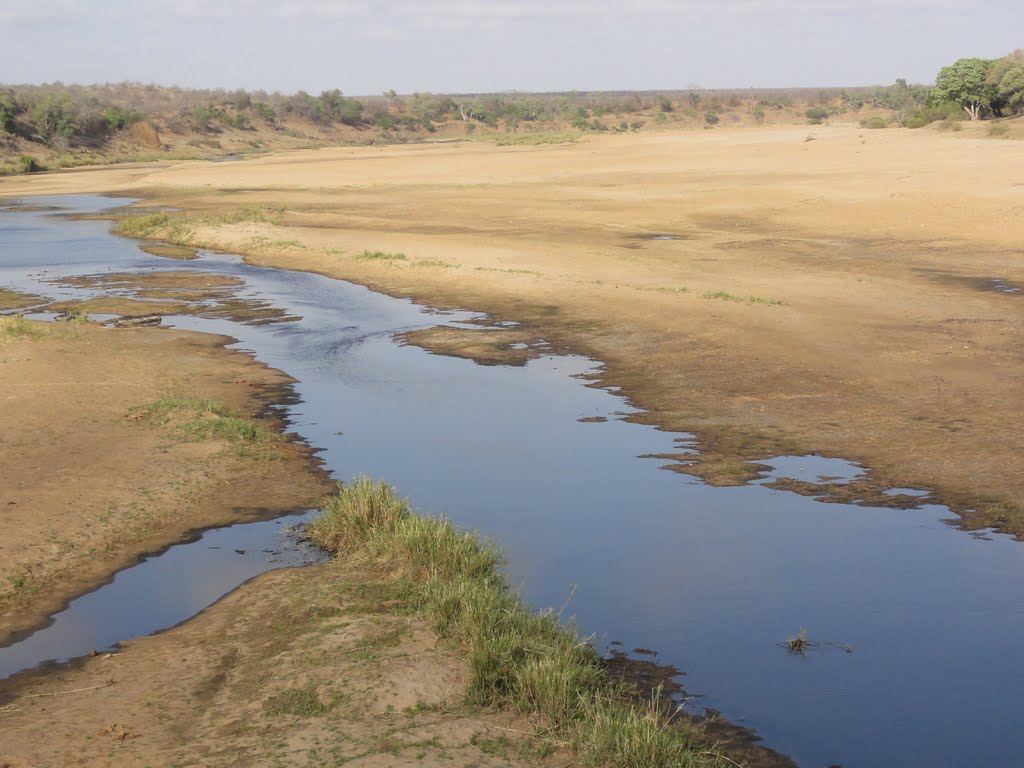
(647, 679)
(169, 251)
(171, 293)
(493, 345)
(985, 284)
(10, 300)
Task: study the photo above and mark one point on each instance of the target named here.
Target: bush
(9, 109)
(53, 117)
(934, 113)
(711, 117)
(201, 117)
(874, 123)
(28, 164)
(816, 115)
(265, 112)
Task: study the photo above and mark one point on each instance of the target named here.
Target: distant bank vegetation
(56, 125)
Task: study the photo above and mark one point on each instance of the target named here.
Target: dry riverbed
(781, 290)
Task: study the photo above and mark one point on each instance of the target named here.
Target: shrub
(874, 123)
(816, 115)
(53, 117)
(711, 117)
(9, 109)
(933, 113)
(28, 164)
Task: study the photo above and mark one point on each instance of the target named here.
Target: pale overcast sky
(367, 46)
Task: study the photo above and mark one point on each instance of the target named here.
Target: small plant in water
(799, 643)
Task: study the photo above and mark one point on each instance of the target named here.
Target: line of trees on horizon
(59, 115)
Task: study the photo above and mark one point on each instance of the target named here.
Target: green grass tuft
(203, 419)
(380, 256)
(519, 660)
(297, 702)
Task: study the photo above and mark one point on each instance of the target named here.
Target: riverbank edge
(520, 660)
(725, 454)
(33, 607)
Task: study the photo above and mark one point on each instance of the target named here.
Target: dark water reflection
(713, 578)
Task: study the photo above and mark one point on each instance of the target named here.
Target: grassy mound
(519, 660)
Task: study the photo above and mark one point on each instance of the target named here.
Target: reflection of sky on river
(161, 591)
(714, 578)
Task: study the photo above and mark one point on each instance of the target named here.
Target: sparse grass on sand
(519, 660)
(180, 228)
(726, 296)
(203, 419)
(529, 139)
(380, 256)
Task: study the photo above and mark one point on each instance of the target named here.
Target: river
(920, 661)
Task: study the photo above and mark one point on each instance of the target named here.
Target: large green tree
(1006, 79)
(965, 83)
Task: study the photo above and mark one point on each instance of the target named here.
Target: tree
(53, 117)
(9, 109)
(425, 106)
(964, 82)
(1006, 78)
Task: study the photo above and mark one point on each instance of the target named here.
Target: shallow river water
(714, 579)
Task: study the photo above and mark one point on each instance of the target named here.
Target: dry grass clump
(18, 327)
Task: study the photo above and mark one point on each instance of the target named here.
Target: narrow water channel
(921, 626)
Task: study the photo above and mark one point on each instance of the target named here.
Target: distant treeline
(63, 116)
(76, 115)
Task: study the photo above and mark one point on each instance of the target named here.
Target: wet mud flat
(713, 578)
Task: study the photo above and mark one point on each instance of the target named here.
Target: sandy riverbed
(837, 295)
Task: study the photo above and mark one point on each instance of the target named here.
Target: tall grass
(17, 327)
(519, 660)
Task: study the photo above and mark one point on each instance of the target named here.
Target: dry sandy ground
(889, 346)
(310, 667)
(85, 490)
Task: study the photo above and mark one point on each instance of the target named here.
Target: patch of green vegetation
(151, 225)
(434, 263)
(204, 419)
(874, 123)
(17, 582)
(532, 138)
(519, 660)
(180, 228)
(662, 289)
(726, 296)
(28, 164)
(297, 702)
(381, 256)
(18, 327)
